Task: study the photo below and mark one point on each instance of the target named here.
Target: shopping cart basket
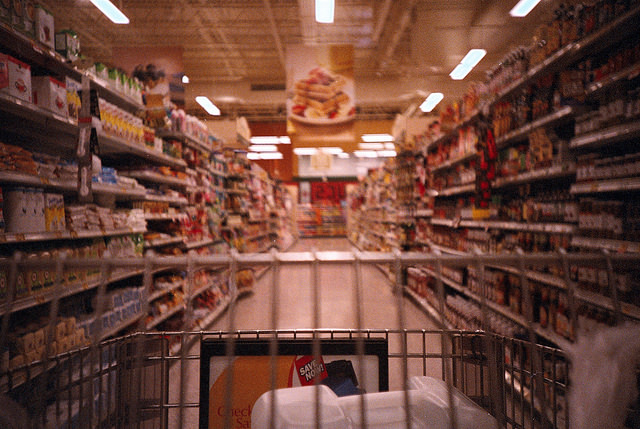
(153, 379)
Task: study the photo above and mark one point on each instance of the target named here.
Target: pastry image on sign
(319, 98)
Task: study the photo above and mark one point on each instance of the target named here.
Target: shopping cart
(153, 379)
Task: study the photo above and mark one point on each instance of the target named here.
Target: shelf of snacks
(13, 238)
(609, 135)
(604, 186)
(110, 145)
(174, 200)
(456, 190)
(163, 176)
(69, 288)
(520, 226)
(550, 173)
(165, 315)
(161, 240)
(186, 139)
(165, 216)
(553, 119)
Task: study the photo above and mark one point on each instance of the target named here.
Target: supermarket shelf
(500, 309)
(217, 312)
(64, 235)
(186, 139)
(188, 245)
(554, 172)
(47, 295)
(427, 308)
(448, 250)
(602, 186)
(614, 134)
(121, 192)
(620, 246)
(122, 325)
(626, 74)
(451, 223)
(452, 162)
(153, 177)
(547, 279)
(18, 178)
(34, 53)
(599, 300)
(52, 127)
(521, 133)
(165, 216)
(112, 95)
(113, 145)
(162, 292)
(455, 190)
(163, 242)
(599, 40)
(521, 226)
(163, 317)
(179, 201)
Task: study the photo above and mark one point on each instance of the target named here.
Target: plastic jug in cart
(428, 406)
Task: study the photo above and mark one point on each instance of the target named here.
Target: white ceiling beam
(274, 32)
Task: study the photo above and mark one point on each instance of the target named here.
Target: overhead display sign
(320, 94)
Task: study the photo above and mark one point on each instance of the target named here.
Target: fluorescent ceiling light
(523, 8)
(387, 153)
(324, 11)
(265, 140)
(185, 78)
(390, 146)
(377, 138)
(253, 155)
(305, 151)
(371, 146)
(431, 101)
(263, 148)
(331, 150)
(343, 155)
(284, 140)
(271, 155)
(207, 105)
(113, 13)
(469, 61)
(366, 153)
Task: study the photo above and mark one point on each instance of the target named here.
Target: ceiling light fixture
(382, 138)
(387, 153)
(371, 146)
(265, 140)
(111, 11)
(431, 101)
(332, 150)
(185, 78)
(390, 146)
(284, 140)
(366, 153)
(271, 155)
(263, 148)
(523, 8)
(207, 105)
(343, 155)
(305, 151)
(253, 155)
(324, 11)
(467, 64)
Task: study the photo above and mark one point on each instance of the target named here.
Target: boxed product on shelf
(23, 210)
(15, 77)
(54, 212)
(74, 103)
(50, 94)
(45, 31)
(67, 44)
(29, 18)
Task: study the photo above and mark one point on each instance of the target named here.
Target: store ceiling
(234, 50)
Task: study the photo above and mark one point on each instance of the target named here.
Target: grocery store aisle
(337, 311)
(337, 297)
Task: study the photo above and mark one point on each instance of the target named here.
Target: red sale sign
(308, 368)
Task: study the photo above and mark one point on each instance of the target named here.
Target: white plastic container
(428, 409)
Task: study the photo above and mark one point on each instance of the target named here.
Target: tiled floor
(337, 310)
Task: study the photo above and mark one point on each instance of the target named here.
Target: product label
(308, 368)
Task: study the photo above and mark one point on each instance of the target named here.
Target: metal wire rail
(511, 372)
